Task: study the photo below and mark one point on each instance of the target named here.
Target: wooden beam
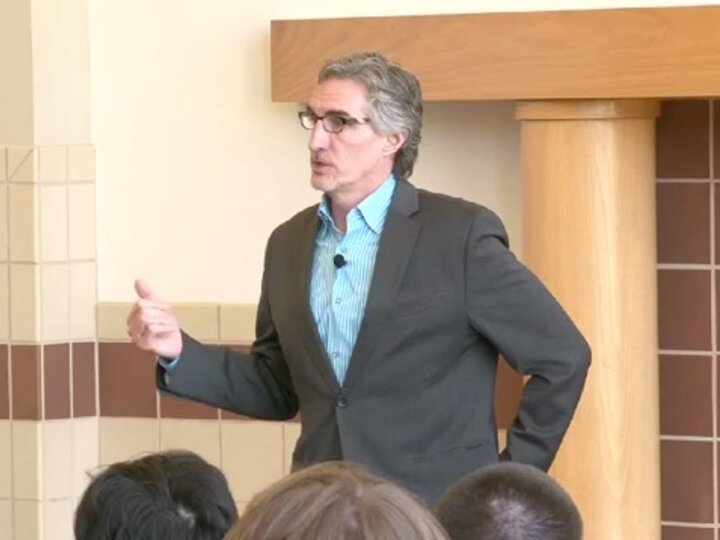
(618, 53)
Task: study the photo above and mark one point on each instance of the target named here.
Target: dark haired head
(509, 501)
(174, 494)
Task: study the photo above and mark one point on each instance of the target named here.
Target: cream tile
(58, 520)
(111, 317)
(27, 460)
(57, 454)
(6, 520)
(86, 452)
(24, 295)
(22, 232)
(502, 439)
(291, 433)
(5, 460)
(125, 438)
(21, 164)
(199, 436)
(81, 218)
(52, 163)
(237, 323)
(241, 506)
(252, 456)
(27, 520)
(81, 162)
(3, 164)
(55, 302)
(83, 299)
(4, 302)
(53, 211)
(199, 320)
(3, 221)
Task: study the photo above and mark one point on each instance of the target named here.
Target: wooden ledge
(616, 53)
(600, 109)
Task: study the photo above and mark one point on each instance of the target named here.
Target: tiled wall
(688, 195)
(48, 428)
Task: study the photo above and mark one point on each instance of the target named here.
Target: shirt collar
(372, 208)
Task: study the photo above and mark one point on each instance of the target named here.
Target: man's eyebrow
(336, 112)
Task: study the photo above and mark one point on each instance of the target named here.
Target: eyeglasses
(332, 123)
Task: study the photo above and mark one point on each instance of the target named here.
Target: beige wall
(196, 166)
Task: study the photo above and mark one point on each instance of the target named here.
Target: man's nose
(319, 138)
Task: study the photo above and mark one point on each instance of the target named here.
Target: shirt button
(336, 355)
(342, 403)
(338, 300)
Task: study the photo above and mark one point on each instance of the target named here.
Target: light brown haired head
(335, 501)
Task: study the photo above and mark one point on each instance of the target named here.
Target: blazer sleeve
(512, 309)
(257, 384)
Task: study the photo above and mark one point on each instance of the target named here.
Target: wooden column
(589, 234)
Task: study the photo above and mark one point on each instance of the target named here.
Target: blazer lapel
(396, 246)
(309, 336)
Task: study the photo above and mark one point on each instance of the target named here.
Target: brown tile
(683, 139)
(716, 137)
(684, 309)
(25, 361)
(228, 415)
(173, 407)
(687, 481)
(683, 223)
(686, 395)
(83, 379)
(57, 381)
(239, 347)
(4, 384)
(686, 533)
(508, 391)
(127, 381)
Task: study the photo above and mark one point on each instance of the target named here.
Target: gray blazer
(417, 404)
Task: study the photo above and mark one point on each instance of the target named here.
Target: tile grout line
(713, 315)
(11, 411)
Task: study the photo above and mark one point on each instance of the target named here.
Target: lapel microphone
(339, 261)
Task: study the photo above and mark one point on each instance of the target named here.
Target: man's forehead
(339, 95)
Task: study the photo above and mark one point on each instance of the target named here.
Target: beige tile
(27, 460)
(252, 456)
(199, 320)
(4, 302)
(53, 212)
(3, 221)
(21, 164)
(81, 162)
(502, 439)
(57, 454)
(237, 323)
(6, 518)
(241, 506)
(3, 164)
(58, 520)
(24, 294)
(5, 460)
(22, 233)
(81, 217)
(52, 163)
(199, 436)
(86, 452)
(125, 438)
(27, 520)
(291, 433)
(83, 299)
(55, 302)
(111, 317)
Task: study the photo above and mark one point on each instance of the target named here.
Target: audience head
(172, 494)
(335, 501)
(509, 501)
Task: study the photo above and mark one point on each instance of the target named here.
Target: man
(383, 309)
(509, 501)
(174, 495)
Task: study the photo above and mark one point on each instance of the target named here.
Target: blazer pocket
(419, 304)
(452, 451)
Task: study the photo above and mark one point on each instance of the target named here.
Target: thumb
(144, 291)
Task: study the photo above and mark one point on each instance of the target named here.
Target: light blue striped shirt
(338, 295)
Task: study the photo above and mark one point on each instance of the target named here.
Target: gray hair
(395, 100)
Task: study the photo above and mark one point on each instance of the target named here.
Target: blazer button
(342, 403)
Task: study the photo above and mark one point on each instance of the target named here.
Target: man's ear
(393, 143)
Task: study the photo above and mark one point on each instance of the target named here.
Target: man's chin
(321, 182)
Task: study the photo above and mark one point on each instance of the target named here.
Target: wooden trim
(616, 53)
(587, 110)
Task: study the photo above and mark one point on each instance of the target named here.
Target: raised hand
(152, 325)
